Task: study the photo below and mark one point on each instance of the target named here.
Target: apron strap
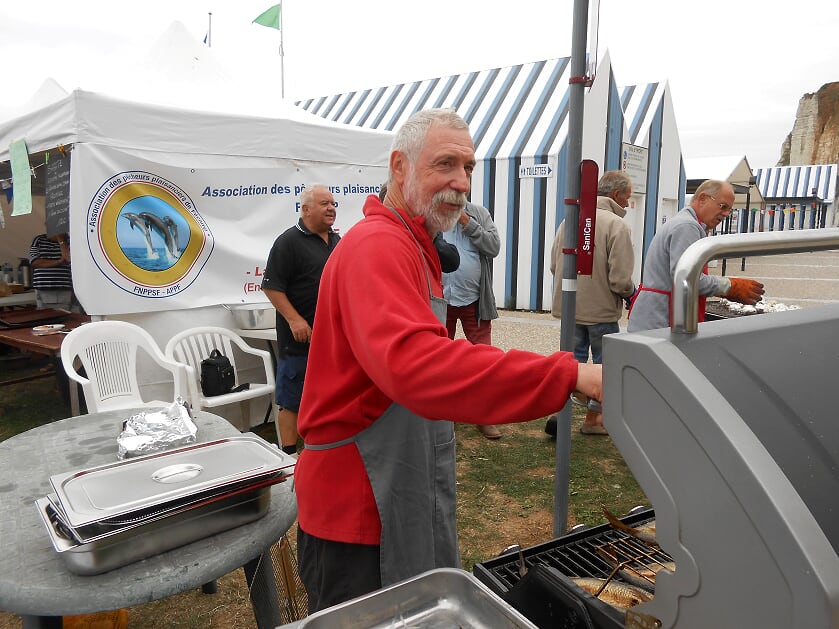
(653, 290)
(419, 248)
(330, 446)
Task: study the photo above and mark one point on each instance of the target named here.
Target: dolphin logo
(139, 223)
(173, 230)
(156, 224)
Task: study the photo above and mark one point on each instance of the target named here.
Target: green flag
(271, 18)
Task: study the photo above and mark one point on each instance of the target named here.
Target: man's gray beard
(435, 220)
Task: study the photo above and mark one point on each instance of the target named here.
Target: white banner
(153, 231)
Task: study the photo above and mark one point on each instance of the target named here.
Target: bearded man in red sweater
(375, 482)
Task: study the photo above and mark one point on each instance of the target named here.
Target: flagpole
(209, 30)
(282, 54)
(273, 18)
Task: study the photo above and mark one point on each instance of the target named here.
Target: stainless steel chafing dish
(112, 515)
(444, 597)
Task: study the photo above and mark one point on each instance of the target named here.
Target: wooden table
(26, 340)
(34, 580)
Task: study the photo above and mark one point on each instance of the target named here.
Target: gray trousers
(54, 298)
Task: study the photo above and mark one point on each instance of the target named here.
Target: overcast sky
(736, 68)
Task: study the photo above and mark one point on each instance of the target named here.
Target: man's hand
(463, 218)
(590, 380)
(300, 330)
(745, 291)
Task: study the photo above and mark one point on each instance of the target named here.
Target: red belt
(702, 300)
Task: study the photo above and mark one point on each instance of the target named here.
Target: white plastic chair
(192, 346)
(107, 350)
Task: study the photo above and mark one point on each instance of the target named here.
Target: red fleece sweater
(376, 341)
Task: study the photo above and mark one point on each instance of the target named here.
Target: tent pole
(569, 258)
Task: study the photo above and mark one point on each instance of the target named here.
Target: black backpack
(217, 375)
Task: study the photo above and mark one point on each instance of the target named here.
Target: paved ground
(804, 279)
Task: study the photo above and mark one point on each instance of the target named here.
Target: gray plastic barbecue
(732, 430)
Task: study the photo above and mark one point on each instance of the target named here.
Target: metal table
(269, 335)
(34, 581)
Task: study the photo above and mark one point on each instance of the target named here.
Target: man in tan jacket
(600, 296)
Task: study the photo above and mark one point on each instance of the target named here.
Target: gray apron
(410, 462)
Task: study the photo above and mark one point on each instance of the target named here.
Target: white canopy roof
(183, 100)
(97, 118)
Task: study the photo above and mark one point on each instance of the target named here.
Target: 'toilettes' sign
(535, 171)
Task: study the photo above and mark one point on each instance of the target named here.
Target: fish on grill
(615, 593)
(644, 533)
(636, 571)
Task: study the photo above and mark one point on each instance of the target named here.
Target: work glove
(745, 291)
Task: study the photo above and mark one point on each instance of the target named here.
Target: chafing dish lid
(120, 488)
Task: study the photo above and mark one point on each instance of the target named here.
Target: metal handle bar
(689, 267)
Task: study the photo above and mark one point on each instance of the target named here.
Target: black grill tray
(548, 599)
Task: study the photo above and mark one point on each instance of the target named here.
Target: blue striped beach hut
(519, 117)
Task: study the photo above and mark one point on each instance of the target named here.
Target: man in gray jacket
(468, 289)
(710, 205)
(600, 296)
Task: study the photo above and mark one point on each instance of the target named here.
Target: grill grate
(635, 562)
(577, 555)
(584, 553)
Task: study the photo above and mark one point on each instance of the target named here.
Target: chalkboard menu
(57, 202)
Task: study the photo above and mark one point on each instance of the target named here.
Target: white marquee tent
(216, 166)
(223, 178)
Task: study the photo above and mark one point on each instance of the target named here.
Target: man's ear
(399, 166)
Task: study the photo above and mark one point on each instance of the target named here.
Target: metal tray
(130, 489)
(99, 530)
(132, 544)
(441, 598)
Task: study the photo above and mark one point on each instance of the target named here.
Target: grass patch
(31, 403)
(506, 487)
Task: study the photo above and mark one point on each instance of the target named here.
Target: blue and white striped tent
(518, 116)
(650, 122)
(798, 197)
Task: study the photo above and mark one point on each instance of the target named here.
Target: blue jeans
(291, 371)
(586, 336)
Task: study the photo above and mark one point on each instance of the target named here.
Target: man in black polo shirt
(291, 279)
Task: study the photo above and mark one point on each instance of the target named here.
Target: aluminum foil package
(154, 431)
